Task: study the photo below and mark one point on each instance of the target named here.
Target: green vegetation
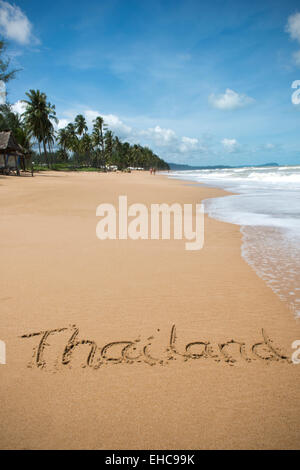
(100, 149)
(73, 147)
(38, 118)
(9, 119)
(5, 73)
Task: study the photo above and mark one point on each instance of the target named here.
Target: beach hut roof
(8, 143)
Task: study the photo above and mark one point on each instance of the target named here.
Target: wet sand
(73, 389)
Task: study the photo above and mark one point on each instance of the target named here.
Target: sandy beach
(60, 285)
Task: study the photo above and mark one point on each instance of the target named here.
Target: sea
(266, 206)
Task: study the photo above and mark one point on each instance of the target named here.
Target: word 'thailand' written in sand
(46, 353)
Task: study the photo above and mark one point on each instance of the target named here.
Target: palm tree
(86, 148)
(63, 138)
(9, 119)
(136, 155)
(5, 74)
(97, 136)
(108, 140)
(80, 125)
(38, 116)
(23, 138)
(50, 140)
(72, 138)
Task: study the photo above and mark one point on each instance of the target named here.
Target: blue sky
(200, 82)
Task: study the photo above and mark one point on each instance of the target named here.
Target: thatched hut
(12, 156)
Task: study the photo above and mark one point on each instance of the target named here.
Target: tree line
(36, 131)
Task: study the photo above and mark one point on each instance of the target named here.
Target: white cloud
(116, 125)
(230, 100)
(293, 26)
(62, 123)
(160, 136)
(2, 92)
(18, 107)
(230, 145)
(14, 24)
(162, 140)
(190, 141)
(169, 144)
(188, 144)
(90, 115)
(269, 146)
(113, 122)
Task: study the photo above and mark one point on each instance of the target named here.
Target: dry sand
(56, 273)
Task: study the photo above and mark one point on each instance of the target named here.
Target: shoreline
(259, 239)
(56, 274)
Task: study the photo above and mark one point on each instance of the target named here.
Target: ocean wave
(266, 205)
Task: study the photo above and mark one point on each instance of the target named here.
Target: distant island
(182, 167)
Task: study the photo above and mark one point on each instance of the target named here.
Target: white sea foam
(266, 204)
